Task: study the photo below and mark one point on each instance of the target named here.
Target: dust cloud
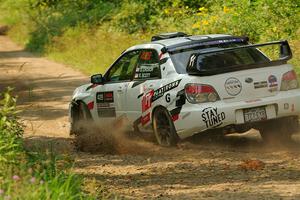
(111, 137)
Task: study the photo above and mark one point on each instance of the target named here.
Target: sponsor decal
(261, 84)
(146, 104)
(286, 106)
(146, 70)
(105, 97)
(101, 105)
(253, 100)
(192, 60)
(142, 75)
(233, 86)
(100, 97)
(162, 90)
(109, 97)
(105, 106)
(106, 112)
(146, 101)
(152, 95)
(272, 83)
(227, 98)
(249, 80)
(212, 117)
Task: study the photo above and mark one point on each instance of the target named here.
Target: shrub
(10, 130)
(28, 174)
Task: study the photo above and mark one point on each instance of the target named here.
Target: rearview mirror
(97, 79)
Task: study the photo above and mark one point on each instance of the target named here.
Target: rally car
(179, 85)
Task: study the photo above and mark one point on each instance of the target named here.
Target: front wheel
(163, 128)
(79, 125)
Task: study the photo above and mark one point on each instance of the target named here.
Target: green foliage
(10, 130)
(44, 178)
(31, 175)
(80, 32)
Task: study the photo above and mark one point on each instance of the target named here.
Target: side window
(148, 65)
(123, 69)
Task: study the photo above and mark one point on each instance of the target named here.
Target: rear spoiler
(285, 55)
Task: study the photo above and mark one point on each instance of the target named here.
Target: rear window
(217, 60)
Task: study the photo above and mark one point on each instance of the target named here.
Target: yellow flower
(214, 18)
(203, 9)
(196, 25)
(166, 11)
(226, 9)
(205, 22)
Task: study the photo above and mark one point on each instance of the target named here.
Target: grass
(29, 174)
(90, 52)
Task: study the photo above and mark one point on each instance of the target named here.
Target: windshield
(217, 60)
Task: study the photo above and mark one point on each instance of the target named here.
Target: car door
(139, 90)
(111, 96)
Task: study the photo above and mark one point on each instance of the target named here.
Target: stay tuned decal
(212, 117)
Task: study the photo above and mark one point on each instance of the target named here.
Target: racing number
(146, 55)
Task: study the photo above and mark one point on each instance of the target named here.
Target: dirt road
(233, 167)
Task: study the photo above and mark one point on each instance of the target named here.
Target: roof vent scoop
(163, 36)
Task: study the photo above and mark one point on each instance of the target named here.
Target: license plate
(255, 114)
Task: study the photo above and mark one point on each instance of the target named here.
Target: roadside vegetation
(90, 34)
(28, 174)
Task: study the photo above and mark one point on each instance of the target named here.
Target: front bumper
(195, 118)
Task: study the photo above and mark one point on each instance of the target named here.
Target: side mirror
(97, 79)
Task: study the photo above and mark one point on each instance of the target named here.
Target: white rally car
(181, 85)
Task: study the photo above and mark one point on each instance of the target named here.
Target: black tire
(163, 128)
(279, 131)
(79, 124)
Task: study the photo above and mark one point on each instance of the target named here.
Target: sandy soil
(231, 167)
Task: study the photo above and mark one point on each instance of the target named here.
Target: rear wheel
(163, 128)
(279, 130)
